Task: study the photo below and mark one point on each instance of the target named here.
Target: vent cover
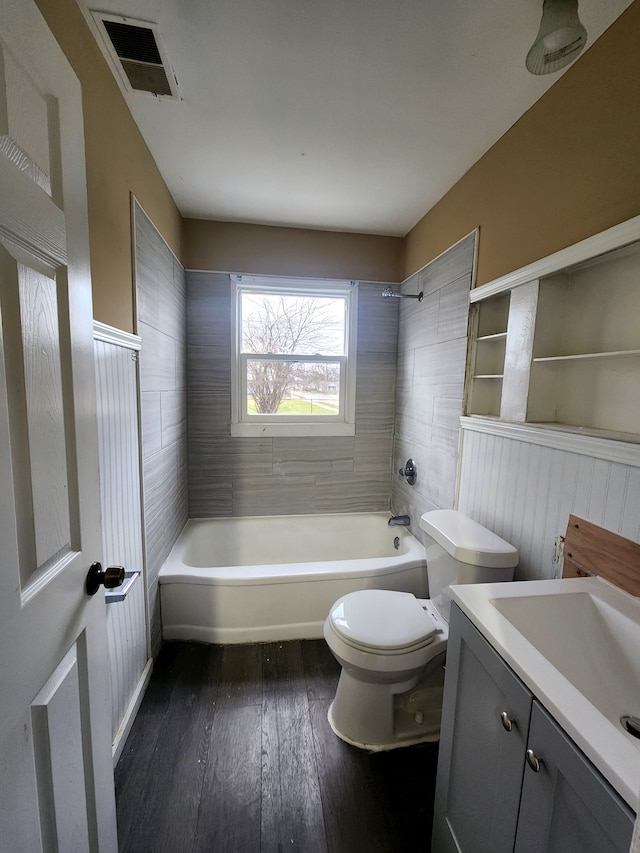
(136, 52)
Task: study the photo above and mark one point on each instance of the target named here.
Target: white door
(56, 781)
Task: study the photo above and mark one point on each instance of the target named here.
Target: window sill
(262, 430)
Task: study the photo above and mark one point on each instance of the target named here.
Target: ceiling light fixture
(560, 38)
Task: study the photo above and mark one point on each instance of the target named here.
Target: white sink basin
(576, 645)
(593, 645)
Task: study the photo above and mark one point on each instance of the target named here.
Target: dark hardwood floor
(232, 751)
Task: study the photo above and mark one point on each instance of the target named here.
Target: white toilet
(392, 645)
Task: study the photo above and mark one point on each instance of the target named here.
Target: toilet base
(377, 747)
(379, 717)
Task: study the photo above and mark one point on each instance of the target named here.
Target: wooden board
(592, 550)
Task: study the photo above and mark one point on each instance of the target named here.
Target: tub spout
(399, 521)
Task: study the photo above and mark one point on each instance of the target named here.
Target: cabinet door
(480, 763)
(567, 806)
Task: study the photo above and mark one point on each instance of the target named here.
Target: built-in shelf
(557, 344)
(489, 337)
(617, 447)
(614, 435)
(617, 354)
(499, 336)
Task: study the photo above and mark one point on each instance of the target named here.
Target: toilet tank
(459, 550)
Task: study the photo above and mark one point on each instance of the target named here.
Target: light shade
(560, 38)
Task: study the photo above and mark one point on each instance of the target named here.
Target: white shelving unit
(489, 322)
(558, 343)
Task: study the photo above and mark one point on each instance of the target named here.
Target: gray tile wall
(161, 310)
(272, 476)
(410, 376)
(432, 346)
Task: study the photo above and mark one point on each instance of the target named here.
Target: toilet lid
(382, 619)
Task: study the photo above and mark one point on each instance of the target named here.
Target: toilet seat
(382, 622)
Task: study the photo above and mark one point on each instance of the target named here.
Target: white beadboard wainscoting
(119, 454)
(524, 482)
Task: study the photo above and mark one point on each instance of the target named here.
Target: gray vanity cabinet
(567, 807)
(489, 799)
(485, 721)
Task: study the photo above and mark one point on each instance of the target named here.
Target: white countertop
(598, 733)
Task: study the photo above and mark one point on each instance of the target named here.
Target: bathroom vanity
(509, 777)
(538, 752)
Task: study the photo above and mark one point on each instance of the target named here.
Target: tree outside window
(282, 324)
(294, 343)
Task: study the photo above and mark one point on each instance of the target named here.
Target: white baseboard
(130, 714)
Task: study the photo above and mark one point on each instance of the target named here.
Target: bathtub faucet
(399, 521)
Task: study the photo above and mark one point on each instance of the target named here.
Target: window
(294, 365)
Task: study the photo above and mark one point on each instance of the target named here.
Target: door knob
(111, 578)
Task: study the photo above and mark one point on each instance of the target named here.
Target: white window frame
(243, 424)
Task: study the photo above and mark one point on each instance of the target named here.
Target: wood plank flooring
(232, 751)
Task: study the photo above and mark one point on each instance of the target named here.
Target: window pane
(293, 389)
(285, 324)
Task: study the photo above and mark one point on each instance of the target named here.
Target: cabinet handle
(506, 721)
(533, 761)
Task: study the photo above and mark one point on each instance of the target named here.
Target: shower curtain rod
(389, 292)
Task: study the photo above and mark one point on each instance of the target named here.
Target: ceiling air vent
(136, 52)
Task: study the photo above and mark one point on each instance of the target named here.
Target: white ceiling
(347, 115)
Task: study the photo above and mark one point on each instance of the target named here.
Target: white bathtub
(239, 580)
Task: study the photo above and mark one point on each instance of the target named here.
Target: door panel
(25, 123)
(57, 739)
(480, 762)
(56, 789)
(568, 807)
(36, 383)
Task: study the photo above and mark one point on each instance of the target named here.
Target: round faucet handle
(409, 472)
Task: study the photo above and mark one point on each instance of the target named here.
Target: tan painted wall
(118, 164)
(238, 247)
(569, 168)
